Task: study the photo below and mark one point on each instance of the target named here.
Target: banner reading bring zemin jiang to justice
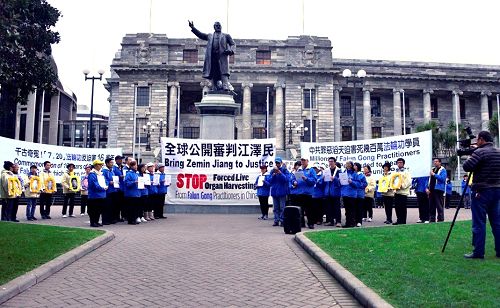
(214, 171)
(29, 153)
(415, 149)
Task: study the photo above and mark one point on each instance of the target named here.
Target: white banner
(215, 171)
(28, 153)
(415, 149)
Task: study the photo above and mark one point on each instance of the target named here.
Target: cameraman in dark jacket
(485, 165)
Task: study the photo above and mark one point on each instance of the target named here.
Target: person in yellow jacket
(69, 194)
(369, 194)
(48, 188)
(7, 193)
(32, 192)
(386, 191)
(401, 184)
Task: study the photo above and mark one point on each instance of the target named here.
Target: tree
(25, 49)
(493, 126)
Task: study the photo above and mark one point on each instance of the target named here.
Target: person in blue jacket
(97, 193)
(162, 191)
(303, 186)
(435, 191)
(152, 192)
(131, 193)
(262, 187)
(119, 202)
(111, 193)
(278, 179)
(318, 194)
(466, 191)
(449, 190)
(349, 194)
(332, 194)
(144, 194)
(292, 193)
(361, 183)
(420, 184)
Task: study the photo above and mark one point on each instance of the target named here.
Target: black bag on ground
(291, 219)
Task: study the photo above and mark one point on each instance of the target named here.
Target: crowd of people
(115, 189)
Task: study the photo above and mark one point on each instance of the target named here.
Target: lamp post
(404, 112)
(290, 125)
(359, 79)
(148, 128)
(93, 78)
(160, 125)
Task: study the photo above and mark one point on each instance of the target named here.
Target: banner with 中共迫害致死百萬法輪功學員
(26, 154)
(415, 149)
(215, 171)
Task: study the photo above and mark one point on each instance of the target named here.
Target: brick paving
(202, 260)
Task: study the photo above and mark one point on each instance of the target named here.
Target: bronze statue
(219, 47)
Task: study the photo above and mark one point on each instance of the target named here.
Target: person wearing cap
(262, 187)
(278, 180)
(162, 191)
(152, 192)
(132, 193)
(318, 194)
(361, 184)
(303, 185)
(97, 193)
(332, 194)
(119, 203)
(69, 195)
(46, 194)
(111, 193)
(84, 193)
(386, 191)
(349, 194)
(31, 196)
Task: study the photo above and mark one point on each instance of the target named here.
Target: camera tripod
(460, 204)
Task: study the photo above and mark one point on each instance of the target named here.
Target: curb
(366, 296)
(26, 281)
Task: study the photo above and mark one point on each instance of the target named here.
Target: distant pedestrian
(435, 191)
(401, 191)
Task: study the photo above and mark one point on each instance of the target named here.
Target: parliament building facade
(152, 75)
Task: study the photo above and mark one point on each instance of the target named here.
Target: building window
(140, 135)
(407, 107)
(309, 98)
(259, 133)
(346, 133)
(376, 132)
(190, 56)
(79, 130)
(462, 108)
(345, 106)
(434, 108)
(490, 109)
(263, 57)
(258, 108)
(22, 127)
(307, 135)
(191, 132)
(142, 96)
(376, 108)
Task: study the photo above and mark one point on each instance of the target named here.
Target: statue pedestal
(217, 113)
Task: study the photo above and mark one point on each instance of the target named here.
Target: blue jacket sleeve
(129, 179)
(310, 177)
(441, 176)
(93, 183)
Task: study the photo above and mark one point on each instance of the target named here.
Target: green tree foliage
(493, 126)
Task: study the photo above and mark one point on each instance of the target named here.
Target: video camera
(466, 144)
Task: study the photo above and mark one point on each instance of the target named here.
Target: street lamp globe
(86, 72)
(347, 73)
(101, 72)
(306, 129)
(361, 74)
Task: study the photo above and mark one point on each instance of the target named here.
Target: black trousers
(7, 205)
(45, 203)
(350, 211)
(400, 207)
(132, 206)
(317, 210)
(95, 209)
(143, 206)
(358, 210)
(119, 209)
(107, 210)
(368, 207)
(436, 204)
(264, 205)
(15, 207)
(160, 203)
(423, 206)
(305, 203)
(388, 204)
(83, 203)
(332, 207)
(68, 198)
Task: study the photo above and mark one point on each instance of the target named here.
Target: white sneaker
(64, 216)
(138, 220)
(358, 225)
(364, 219)
(82, 214)
(426, 222)
(143, 220)
(369, 219)
(71, 215)
(419, 221)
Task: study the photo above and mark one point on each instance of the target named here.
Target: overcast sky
(432, 31)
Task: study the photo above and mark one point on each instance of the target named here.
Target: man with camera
(485, 165)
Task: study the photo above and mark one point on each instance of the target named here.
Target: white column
(396, 97)
(247, 111)
(427, 104)
(456, 106)
(336, 113)
(279, 117)
(367, 114)
(485, 117)
(30, 116)
(172, 107)
(54, 118)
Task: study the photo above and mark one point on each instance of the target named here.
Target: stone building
(151, 72)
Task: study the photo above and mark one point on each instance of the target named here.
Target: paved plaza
(188, 260)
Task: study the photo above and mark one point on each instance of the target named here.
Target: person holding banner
(278, 179)
(262, 187)
(303, 185)
(32, 192)
(111, 193)
(349, 194)
(162, 191)
(48, 189)
(386, 191)
(7, 193)
(420, 184)
(132, 193)
(332, 194)
(435, 191)
(97, 193)
(119, 202)
(143, 188)
(152, 191)
(369, 194)
(69, 194)
(84, 193)
(361, 183)
(401, 184)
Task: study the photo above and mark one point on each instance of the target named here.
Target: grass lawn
(24, 247)
(405, 266)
